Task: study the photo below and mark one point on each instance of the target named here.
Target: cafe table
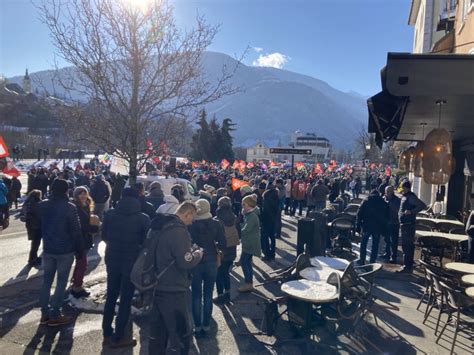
(463, 268)
(468, 279)
(470, 291)
(436, 221)
(326, 261)
(451, 236)
(318, 274)
(310, 291)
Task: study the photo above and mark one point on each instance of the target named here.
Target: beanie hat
(250, 200)
(79, 190)
(155, 185)
(203, 209)
(245, 189)
(130, 192)
(59, 187)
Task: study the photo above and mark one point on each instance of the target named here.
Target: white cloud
(257, 49)
(274, 60)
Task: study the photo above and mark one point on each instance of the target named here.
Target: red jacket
(299, 190)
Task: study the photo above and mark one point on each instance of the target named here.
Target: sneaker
(80, 294)
(61, 320)
(123, 343)
(245, 288)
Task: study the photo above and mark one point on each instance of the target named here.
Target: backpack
(231, 236)
(144, 273)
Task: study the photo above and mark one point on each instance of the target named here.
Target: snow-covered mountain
(272, 103)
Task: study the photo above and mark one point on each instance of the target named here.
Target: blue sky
(343, 42)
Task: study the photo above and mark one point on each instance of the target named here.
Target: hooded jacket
(373, 214)
(228, 219)
(156, 198)
(174, 246)
(169, 206)
(250, 236)
(271, 206)
(124, 229)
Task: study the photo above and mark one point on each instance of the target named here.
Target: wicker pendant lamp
(417, 159)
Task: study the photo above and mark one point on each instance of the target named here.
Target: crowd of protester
(197, 241)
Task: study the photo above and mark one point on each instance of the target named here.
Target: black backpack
(144, 274)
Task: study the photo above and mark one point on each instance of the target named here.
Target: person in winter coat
(170, 326)
(169, 206)
(147, 207)
(207, 234)
(250, 239)
(393, 228)
(4, 214)
(119, 184)
(84, 205)
(62, 238)
(156, 196)
(288, 185)
(282, 195)
(41, 182)
(320, 193)
(15, 192)
(100, 193)
(372, 218)
(229, 221)
(33, 226)
(124, 230)
(299, 196)
(410, 205)
(470, 233)
(309, 198)
(335, 190)
(271, 208)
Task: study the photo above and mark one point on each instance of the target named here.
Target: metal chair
(456, 305)
(342, 230)
(435, 296)
(356, 201)
(445, 216)
(457, 230)
(445, 227)
(426, 222)
(352, 209)
(434, 247)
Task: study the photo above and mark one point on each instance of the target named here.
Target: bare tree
(133, 68)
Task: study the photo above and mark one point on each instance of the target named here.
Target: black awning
(385, 116)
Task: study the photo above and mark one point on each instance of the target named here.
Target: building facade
(259, 151)
(320, 146)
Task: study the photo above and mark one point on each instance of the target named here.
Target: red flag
(156, 160)
(10, 169)
(237, 184)
(242, 165)
(250, 165)
(225, 164)
(195, 164)
(203, 162)
(272, 163)
(3, 148)
(236, 164)
(388, 171)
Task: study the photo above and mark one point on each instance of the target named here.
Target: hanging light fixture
(417, 159)
(437, 161)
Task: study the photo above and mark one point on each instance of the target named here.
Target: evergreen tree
(200, 140)
(227, 139)
(216, 142)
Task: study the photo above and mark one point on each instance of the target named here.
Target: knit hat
(59, 187)
(203, 209)
(209, 188)
(155, 185)
(79, 190)
(245, 189)
(130, 192)
(250, 200)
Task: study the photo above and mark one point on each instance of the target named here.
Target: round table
(452, 237)
(463, 268)
(468, 279)
(325, 261)
(318, 274)
(470, 291)
(310, 291)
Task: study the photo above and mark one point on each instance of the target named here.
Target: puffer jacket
(225, 216)
(250, 236)
(208, 234)
(174, 248)
(60, 226)
(170, 206)
(124, 229)
(32, 215)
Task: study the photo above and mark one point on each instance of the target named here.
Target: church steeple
(27, 82)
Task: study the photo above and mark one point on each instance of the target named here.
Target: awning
(411, 85)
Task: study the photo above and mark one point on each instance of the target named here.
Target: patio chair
(434, 247)
(436, 297)
(456, 305)
(446, 216)
(426, 222)
(368, 271)
(356, 201)
(341, 231)
(423, 214)
(445, 227)
(457, 230)
(352, 209)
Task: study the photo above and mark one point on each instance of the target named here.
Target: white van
(190, 191)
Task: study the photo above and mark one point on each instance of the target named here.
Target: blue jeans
(61, 264)
(268, 239)
(223, 277)
(118, 284)
(375, 246)
(247, 269)
(202, 286)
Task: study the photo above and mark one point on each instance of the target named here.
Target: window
(255, 152)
